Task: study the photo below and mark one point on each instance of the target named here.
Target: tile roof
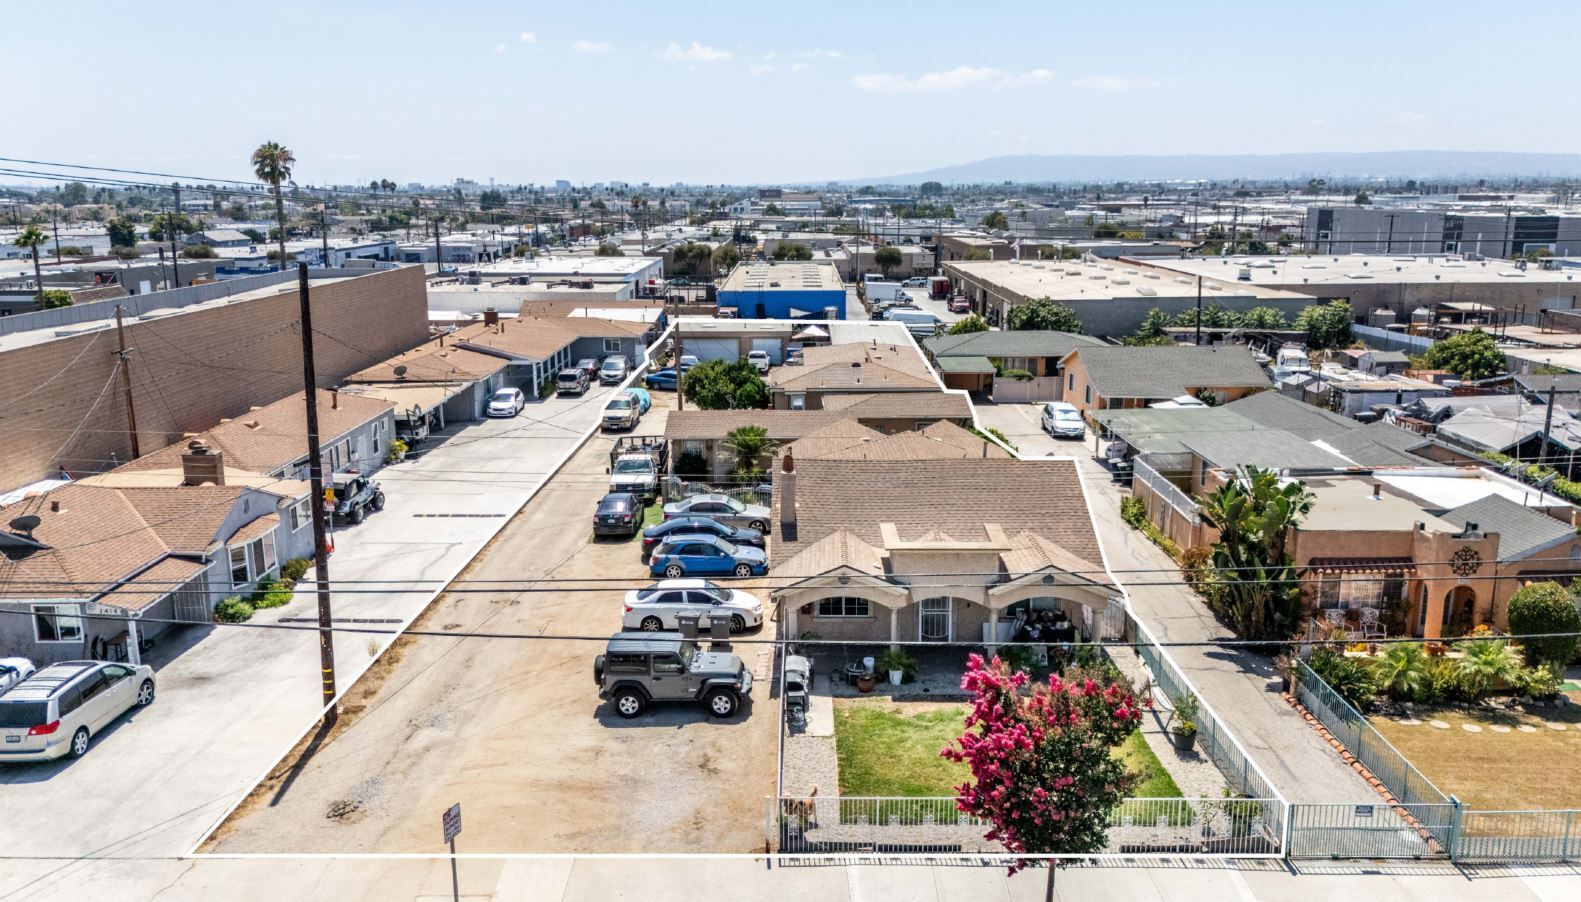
(954, 496)
(1033, 343)
(1168, 372)
(1522, 531)
(268, 438)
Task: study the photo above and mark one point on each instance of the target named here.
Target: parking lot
(232, 699)
(513, 729)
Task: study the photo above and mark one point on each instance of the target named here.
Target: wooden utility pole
(323, 231)
(315, 476)
(54, 221)
(124, 354)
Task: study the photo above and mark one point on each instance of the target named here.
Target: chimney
(491, 317)
(787, 492)
(200, 465)
(54, 505)
(334, 399)
(1377, 491)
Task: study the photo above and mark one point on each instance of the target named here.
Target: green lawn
(891, 748)
(653, 514)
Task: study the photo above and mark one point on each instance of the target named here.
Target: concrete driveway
(1022, 424)
(231, 700)
(513, 729)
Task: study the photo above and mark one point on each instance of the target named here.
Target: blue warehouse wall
(784, 304)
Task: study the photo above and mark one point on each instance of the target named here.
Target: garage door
(771, 345)
(713, 348)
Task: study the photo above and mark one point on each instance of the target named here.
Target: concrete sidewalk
(1241, 687)
(686, 880)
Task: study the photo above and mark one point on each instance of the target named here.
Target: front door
(935, 621)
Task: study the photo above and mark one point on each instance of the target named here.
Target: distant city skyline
(418, 92)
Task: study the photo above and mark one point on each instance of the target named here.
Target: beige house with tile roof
(864, 368)
(892, 540)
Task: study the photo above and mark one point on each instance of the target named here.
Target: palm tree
(31, 238)
(1402, 671)
(1254, 515)
(272, 163)
(1486, 663)
(748, 445)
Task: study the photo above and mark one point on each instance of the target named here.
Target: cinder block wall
(59, 406)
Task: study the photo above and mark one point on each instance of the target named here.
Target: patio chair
(1334, 618)
(1371, 628)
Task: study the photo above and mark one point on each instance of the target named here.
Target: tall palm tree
(749, 445)
(272, 163)
(31, 238)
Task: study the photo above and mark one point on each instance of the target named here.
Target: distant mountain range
(1396, 164)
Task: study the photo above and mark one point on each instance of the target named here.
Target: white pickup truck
(636, 465)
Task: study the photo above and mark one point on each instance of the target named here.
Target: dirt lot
(514, 730)
(1511, 762)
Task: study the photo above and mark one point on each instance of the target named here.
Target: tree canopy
(1326, 325)
(1042, 315)
(1545, 607)
(608, 250)
(787, 250)
(1469, 355)
(748, 445)
(888, 257)
(996, 220)
(123, 233)
(1253, 585)
(967, 324)
(725, 385)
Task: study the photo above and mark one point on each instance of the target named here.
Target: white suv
(1063, 420)
(654, 609)
(759, 359)
(58, 711)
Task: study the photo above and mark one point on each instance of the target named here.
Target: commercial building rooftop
(1074, 280)
(800, 276)
(1349, 269)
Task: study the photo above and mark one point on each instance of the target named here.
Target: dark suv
(639, 668)
(355, 495)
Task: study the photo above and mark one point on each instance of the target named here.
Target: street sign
(452, 822)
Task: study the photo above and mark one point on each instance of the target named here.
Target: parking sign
(452, 822)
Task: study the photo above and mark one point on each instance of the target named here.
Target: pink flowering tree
(1042, 770)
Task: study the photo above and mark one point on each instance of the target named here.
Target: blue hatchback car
(662, 379)
(698, 555)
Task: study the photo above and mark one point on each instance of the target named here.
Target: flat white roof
(564, 266)
(1078, 280)
(1361, 269)
(808, 275)
(1448, 489)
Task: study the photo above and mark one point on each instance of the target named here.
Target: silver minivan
(58, 710)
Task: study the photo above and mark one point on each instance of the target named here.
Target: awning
(966, 365)
(1362, 564)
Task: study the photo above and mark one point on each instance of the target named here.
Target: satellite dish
(400, 371)
(25, 524)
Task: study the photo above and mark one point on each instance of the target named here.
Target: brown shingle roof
(940, 441)
(872, 366)
(889, 405)
(954, 496)
(535, 338)
(782, 425)
(152, 584)
(838, 549)
(273, 436)
(433, 362)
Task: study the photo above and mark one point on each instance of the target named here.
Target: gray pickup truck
(637, 669)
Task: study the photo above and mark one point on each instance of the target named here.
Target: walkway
(1241, 687)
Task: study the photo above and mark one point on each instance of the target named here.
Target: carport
(967, 373)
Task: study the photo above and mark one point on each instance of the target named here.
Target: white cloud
(499, 48)
(590, 47)
(528, 37)
(959, 77)
(1114, 83)
(697, 53)
(766, 69)
(820, 53)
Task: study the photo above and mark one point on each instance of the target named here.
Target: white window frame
(611, 346)
(301, 515)
(231, 551)
(269, 557)
(63, 614)
(798, 401)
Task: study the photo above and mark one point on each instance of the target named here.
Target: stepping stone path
(1499, 728)
(1526, 728)
(1438, 725)
(1557, 727)
(1471, 728)
(1409, 722)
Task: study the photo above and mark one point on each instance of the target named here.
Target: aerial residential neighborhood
(1098, 461)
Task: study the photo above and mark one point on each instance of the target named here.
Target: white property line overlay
(501, 522)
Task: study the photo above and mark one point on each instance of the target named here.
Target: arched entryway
(1460, 608)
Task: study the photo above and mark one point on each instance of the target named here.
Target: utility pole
(1199, 311)
(439, 257)
(1548, 424)
(170, 229)
(315, 476)
(123, 353)
(323, 231)
(54, 219)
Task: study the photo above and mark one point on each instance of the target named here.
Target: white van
(918, 322)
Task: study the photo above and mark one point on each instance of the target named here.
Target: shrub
(233, 610)
(1484, 664)
(1133, 511)
(1402, 672)
(1019, 657)
(271, 593)
(54, 298)
(398, 449)
(898, 659)
(198, 252)
(1545, 608)
(1541, 681)
(1350, 677)
(295, 568)
(691, 463)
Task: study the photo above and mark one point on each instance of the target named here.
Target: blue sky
(707, 93)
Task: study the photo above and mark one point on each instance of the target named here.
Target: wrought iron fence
(1500, 836)
(1226, 827)
(753, 491)
(1370, 830)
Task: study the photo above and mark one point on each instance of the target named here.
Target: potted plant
(398, 449)
(866, 682)
(899, 664)
(1183, 724)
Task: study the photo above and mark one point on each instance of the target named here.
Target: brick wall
(191, 370)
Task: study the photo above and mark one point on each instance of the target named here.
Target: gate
(1371, 831)
(191, 602)
(1503, 836)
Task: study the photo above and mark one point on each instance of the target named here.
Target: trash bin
(687, 624)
